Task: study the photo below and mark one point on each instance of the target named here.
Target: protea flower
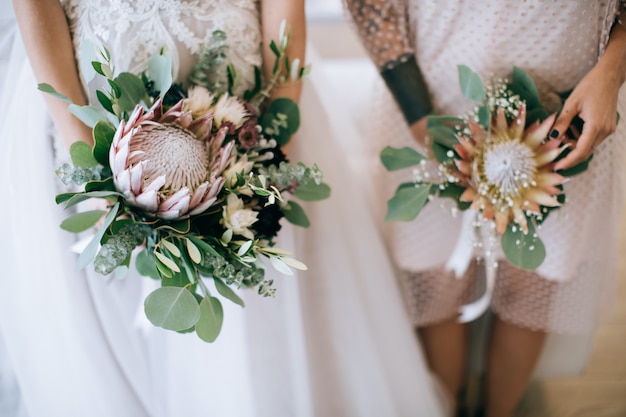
(508, 171)
(169, 165)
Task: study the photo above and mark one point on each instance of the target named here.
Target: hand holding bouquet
(497, 160)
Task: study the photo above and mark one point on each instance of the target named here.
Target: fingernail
(554, 134)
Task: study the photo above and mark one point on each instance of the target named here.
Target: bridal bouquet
(498, 160)
(195, 178)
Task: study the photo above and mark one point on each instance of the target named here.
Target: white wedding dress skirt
(334, 342)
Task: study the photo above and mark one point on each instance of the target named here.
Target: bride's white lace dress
(334, 342)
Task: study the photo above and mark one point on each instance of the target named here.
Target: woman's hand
(594, 101)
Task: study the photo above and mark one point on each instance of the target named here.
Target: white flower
(237, 218)
(229, 109)
(199, 101)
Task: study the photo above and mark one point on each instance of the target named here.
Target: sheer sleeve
(383, 27)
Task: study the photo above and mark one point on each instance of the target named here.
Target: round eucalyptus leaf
(172, 308)
(209, 325)
(524, 250)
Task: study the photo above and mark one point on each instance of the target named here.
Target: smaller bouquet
(195, 178)
(497, 160)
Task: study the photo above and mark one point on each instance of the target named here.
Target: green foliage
(131, 91)
(312, 191)
(399, 158)
(281, 120)
(227, 292)
(524, 250)
(209, 325)
(172, 308)
(146, 265)
(471, 84)
(89, 253)
(81, 155)
(443, 135)
(47, 88)
(89, 115)
(80, 222)
(295, 214)
(407, 203)
(525, 87)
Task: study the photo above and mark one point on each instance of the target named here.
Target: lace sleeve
(383, 27)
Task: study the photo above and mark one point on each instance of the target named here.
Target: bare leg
(445, 346)
(513, 354)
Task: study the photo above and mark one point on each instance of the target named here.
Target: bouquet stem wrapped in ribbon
(194, 178)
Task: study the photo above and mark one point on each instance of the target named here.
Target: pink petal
(202, 207)
(542, 198)
(549, 179)
(478, 133)
(136, 178)
(148, 200)
(174, 199)
(170, 211)
(122, 182)
(463, 166)
(545, 158)
(202, 127)
(500, 121)
(155, 185)
(502, 221)
(537, 133)
(198, 194)
(468, 195)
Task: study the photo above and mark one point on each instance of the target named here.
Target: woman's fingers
(582, 148)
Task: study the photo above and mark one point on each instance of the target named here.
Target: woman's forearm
(273, 12)
(48, 43)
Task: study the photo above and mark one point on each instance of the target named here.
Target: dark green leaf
(442, 154)
(101, 185)
(484, 117)
(472, 86)
(103, 133)
(525, 87)
(47, 88)
(407, 203)
(576, 169)
(447, 121)
(115, 89)
(281, 120)
(98, 67)
(61, 198)
(295, 214)
(274, 49)
(227, 292)
(312, 192)
(536, 114)
(454, 192)
(399, 158)
(80, 222)
(172, 308)
(82, 155)
(209, 325)
(105, 101)
(526, 251)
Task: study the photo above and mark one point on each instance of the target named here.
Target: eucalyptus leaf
(312, 191)
(399, 158)
(442, 154)
(443, 135)
(172, 308)
(407, 203)
(160, 71)
(89, 115)
(448, 121)
(471, 84)
(524, 250)
(227, 292)
(82, 155)
(484, 117)
(295, 214)
(132, 91)
(454, 192)
(211, 319)
(106, 184)
(80, 222)
(105, 101)
(87, 53)
(47, 88)
(91, 250)
(146, 265)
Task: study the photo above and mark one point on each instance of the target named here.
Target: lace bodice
(133, 31)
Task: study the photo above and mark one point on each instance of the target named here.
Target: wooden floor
(601, 391)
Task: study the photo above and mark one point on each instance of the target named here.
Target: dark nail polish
(554, 134)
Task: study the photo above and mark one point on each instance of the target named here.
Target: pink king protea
(169, 165)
